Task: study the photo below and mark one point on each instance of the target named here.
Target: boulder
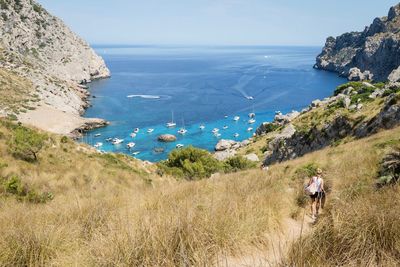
(166, 138)
(283, 119)
(223, 145)
(377, 93)
(347, 102)
(223, 155)
(252, 157)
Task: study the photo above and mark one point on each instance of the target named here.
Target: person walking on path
(319, 195)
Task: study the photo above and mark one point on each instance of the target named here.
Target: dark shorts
(318, 195)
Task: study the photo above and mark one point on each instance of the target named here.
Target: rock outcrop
(40, 47)
(371, 54)
(166, 138)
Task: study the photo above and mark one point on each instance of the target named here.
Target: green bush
(26, 143)
(238, 163)
(64, 139)
(15, 186)
(190, 163)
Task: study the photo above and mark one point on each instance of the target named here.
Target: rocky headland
(58, 64)
(373, 54)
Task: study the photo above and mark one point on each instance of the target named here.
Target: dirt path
(278, 245)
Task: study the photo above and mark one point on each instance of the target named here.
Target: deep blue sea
(199, 85)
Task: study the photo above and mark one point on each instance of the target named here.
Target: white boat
(171, 124)
(252, 115)
(150, 130)
(249, 129)
(250, 97)
(136, 153)
(117, 141)
(217, 135)
(98, 144)
(236, 135)
(226, 116)
(133, 135)
(202, 127)
(182, 131)
(215, 130)
(236, 118)
(130, 145)
(179, 146)
(225, 127)
(97, 135)
(109, 139)
(251, 121)
(136, 130)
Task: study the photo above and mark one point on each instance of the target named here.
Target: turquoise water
(200, 85)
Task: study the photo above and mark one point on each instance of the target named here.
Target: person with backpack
(315, 189)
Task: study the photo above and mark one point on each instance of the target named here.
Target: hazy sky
(215, 22)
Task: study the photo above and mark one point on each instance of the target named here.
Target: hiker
(316, 184)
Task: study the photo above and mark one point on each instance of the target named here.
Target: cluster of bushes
(389, 170)
(13, 186)
(192, 163)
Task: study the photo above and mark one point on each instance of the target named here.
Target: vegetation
(26, 143)
(389, 171)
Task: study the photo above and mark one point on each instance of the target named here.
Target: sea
(192, 86)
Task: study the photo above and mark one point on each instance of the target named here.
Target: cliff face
(371, 54)
(40, 47)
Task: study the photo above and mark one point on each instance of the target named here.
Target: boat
(225, 127)
(236, 135)
(117, 141)
(109, 139)
(130, 145)
(217, 135)
(252, 115)
(226, 116)
(251, 121)
(136, 130)
(250, 97)
(179, 146)
(171, 124)
(182, 130)
(97, 135)
(236, 118)
(150, 130)
(215, 130)
(249, 129)
(133, 135)
(98, 144)
(202, 127)
(136, 153)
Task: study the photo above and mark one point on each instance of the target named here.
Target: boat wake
(145, 96)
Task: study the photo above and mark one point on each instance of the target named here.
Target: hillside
(371, 54)
(40, 48)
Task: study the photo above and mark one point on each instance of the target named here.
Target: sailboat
(202, 127)
(171, 124)
(182, 130)
(236, 118)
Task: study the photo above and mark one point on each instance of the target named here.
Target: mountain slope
(371, 54)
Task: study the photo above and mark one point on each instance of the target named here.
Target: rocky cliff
(41, 48)
(371, 54)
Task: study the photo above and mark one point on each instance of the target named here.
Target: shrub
(15, 186)
(238, 163)
(64, 139)
(389, 171)
(190, 163)
(26, 143)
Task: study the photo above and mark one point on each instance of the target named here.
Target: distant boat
(133, 135)
(135, 153)
(225, 127)
(98, 144)
(182, 130)
(136, 130)
(171, 124)
(236, 135)
(179, 146)
(215, 130)
(202, 127)
(252, 115)
(109, 139)
(251, 121)
(249, 129)
(97, 135)
(236, 118)
(217, 135)
(130, 145)
(117, 141)
(150, 130)
(226, 116)
(250, 97)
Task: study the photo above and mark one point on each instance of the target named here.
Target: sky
(215, 22)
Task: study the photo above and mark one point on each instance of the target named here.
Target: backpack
(311, 189)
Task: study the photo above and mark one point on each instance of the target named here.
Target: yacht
(249, 129)
(133, 135)
(98, 144)
(202, 127)
(226, 116)
(136, 130)
(97, 135)
(179, 146)
(130, 145)
(150, 130)
(250, 97)
(109, 139)
(215, 130)
(117, 141)
(252, 115)
(236, 135)
(225, 127)
(182, 130)
(171, 124)
(236, 118)
(136, 153)
(217, 135)
(251, 121)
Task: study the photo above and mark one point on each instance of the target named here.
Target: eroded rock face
(375, 52)
(166, 138)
